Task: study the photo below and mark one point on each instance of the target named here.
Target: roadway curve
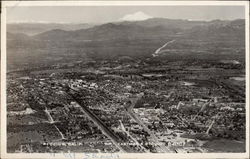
(158, 51)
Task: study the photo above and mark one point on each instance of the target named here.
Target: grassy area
(223, 145)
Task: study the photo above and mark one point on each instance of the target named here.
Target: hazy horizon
(104, 14)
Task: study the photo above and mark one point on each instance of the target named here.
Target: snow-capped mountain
(138, 16)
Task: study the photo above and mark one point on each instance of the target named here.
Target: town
(127, 106)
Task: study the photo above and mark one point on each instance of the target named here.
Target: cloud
(135, 17)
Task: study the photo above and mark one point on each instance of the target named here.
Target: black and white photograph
(128, 78)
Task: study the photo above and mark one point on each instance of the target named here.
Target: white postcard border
(4, 153)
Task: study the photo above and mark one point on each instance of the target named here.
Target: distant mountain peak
(137, 16)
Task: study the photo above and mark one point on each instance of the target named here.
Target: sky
(103, 14)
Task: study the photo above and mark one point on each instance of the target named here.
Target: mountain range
(150, 28)
(137, 39)
(32, 28)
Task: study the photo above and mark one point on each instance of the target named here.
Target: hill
(37, 28)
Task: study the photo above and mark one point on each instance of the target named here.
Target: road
(134, 116)
(135, 141)
(101, 125)
(158, 51)
(51, 121)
